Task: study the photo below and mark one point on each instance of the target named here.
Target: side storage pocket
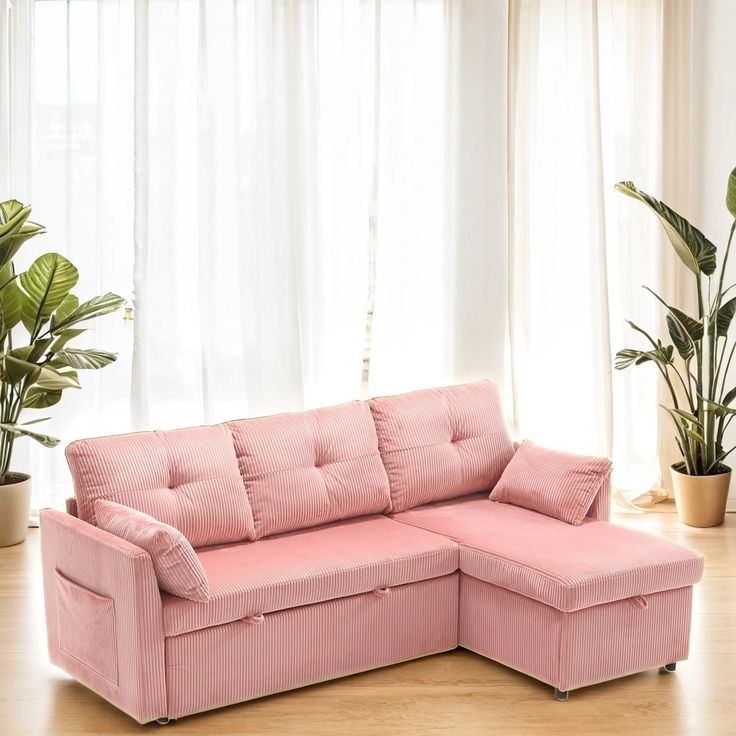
(86, 622)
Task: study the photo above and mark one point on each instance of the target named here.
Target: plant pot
(701, 499)
(15, 508)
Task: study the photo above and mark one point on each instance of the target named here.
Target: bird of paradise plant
(695, 366)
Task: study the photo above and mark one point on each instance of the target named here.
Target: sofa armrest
(104, 614)
(601, 507)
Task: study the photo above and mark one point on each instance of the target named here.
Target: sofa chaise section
(570, 605)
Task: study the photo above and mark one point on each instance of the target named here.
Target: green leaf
(46, 283)
(63, 337)
(684, 415)
(729, 397)
(69, 304)
(692, 326)
(35, 421)
(51, 379)
(662, 355)
(731, 193)
(723, 319)
(693, 434)
(95, 307)
(11, 299)
(693, 248)
(16, 369)
(38, 398)
(44, 439)
(85, 359)
(719, 410)
(627, 357)
(15, 229)
(683, 343)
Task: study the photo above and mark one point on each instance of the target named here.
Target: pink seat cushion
(441, 443)
(177, 568)
(567, 567)
(311, 468)
(187, 478)
(345, 558)
(557, 484)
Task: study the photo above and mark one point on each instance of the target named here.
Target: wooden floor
(456, 693)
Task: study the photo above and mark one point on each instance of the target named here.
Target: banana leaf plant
(39, 318)
(695, 365)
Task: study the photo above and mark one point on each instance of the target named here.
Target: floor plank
(456, 693)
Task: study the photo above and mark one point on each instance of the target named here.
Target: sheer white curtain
(441, 206)
(251, 208)
(591, 102)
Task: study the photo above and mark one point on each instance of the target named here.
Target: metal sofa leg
(164, 721)
(560, 694)
(671, 667)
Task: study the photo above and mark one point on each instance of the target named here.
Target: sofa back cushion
(314, 467)
(441, 443)
(187, 478)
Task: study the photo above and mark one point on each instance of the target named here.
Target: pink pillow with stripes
(557, 484)
(178, 569)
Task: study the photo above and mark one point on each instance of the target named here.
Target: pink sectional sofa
(320, 544)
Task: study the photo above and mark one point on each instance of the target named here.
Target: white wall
(714, 128)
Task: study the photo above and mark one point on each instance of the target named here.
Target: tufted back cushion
(441, 443)
(306, 469)
(187, 478)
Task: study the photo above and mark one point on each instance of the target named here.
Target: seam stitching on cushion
(113, 494)
(440, 444)
(256, 476)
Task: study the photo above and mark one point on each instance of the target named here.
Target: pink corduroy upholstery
(187, 478)
(335, 561)
(557, 484)
(307, 579)
(564, 566)
(287, 649)
(307, 469)
(177, 568)
(571, 650)
(104, 614)
(441, 443)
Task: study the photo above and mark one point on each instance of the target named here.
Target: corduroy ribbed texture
(558, 484)
(178, 569)
(311, 468)
(567, 567)
(106, 568)
(335, 561)
(287, 649)
(187, 478)
(570, 650)
(86, 626)
(441, 443)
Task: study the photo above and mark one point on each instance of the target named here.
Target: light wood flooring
(456, 693)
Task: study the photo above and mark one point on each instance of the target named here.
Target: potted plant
(39, 317)
(695, 366)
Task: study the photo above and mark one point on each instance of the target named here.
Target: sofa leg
(164, 721)
(560, 694)
(671, 667)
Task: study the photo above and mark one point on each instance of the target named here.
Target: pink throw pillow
(554, 483)
(178, 569)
